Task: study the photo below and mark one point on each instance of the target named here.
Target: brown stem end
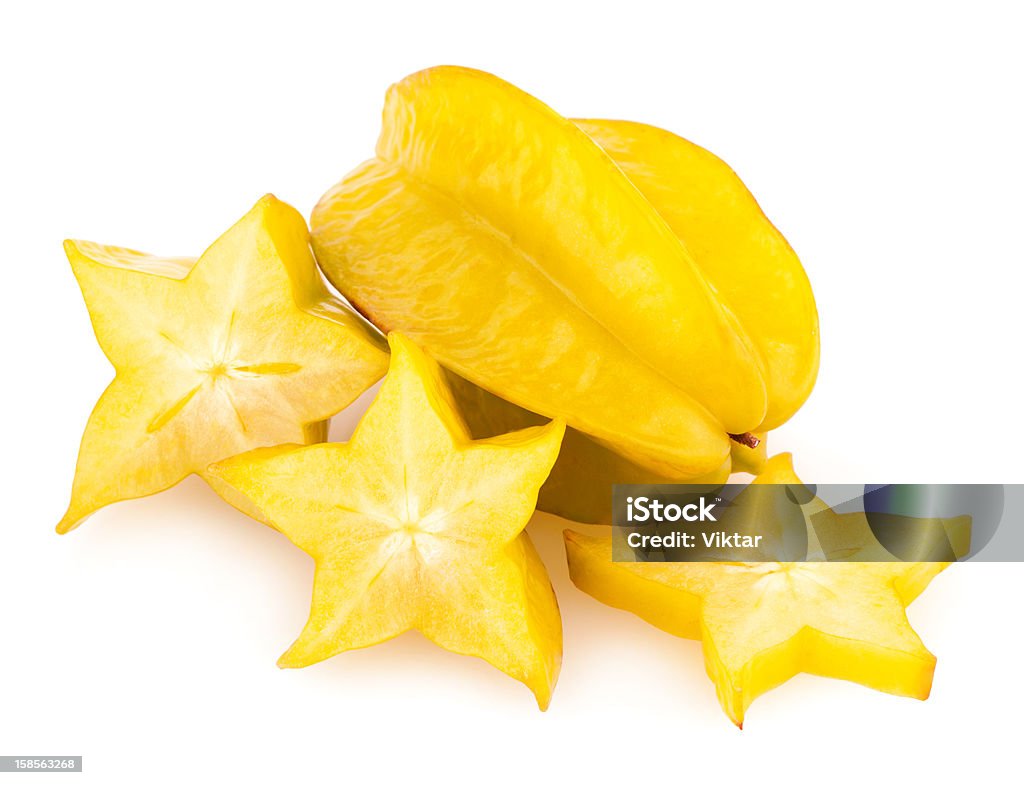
(746, 439)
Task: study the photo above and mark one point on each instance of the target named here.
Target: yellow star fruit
(413, 526)
(608, 273)
(242, 348)
(762, 623)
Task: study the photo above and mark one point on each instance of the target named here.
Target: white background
(885, 142)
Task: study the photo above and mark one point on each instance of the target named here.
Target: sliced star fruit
(762, 623)
(242, 348)
(414, 526)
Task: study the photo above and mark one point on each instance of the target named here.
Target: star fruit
(579, 487)
(413, 526)
(762, 623)
(607, 273)
(242, 348)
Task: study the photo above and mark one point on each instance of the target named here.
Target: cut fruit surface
(412, 525)
(242, 348)
(762, 623)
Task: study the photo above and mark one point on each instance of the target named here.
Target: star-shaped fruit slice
(242, 348)
(414, 526)
(762, 623)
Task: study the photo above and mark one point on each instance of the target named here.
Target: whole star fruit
(707, 205)
(414, 526)
(504, 239)
(761, 623)
(242, 348)
(702, 200)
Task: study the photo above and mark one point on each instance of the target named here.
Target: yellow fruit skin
(752, 268)
(746, 260)
(412, 525)
(499, 236)
(579, 487)
(762, 623)
(241, 348)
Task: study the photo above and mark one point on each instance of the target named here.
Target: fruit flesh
(239, 349)
(762, 623)
(414, 526)
(516, 251)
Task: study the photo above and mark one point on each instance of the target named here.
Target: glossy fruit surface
(412, 525)
(504, 239)
(744, 258)
(239, 349)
